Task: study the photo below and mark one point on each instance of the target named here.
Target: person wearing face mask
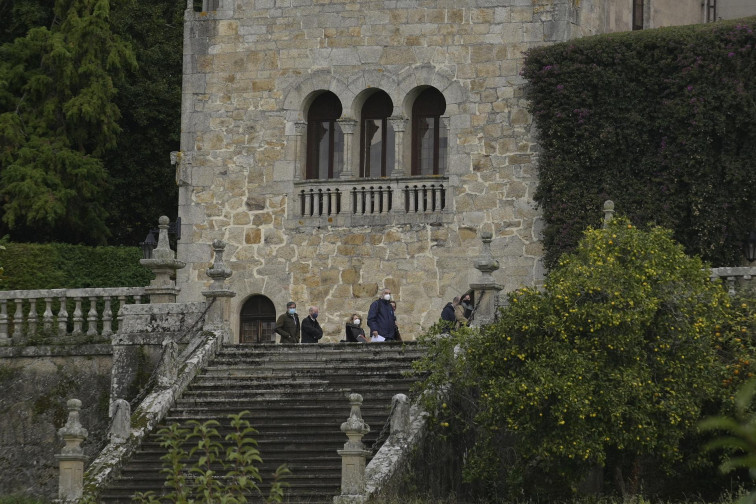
(459, 311)
(355, 333)
(287, 325)
(381, 319)
(311, 330)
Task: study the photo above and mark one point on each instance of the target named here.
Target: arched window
(325, 140)
(376, 137)
(429, 136)
(258, 319)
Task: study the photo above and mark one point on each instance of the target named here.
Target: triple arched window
(379, 144)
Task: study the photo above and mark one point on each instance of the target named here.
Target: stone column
(347, 127)
(218, 297)
(164, 265)
(71, 458)
(300, 128)
(486, 290)
(353, 456)
(399, 124)
(608, 212)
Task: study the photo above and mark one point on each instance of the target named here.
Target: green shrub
(660, 121)
(207, 474)
(606, 370)
(59, 265)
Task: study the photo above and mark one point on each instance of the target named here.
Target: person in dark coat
(381, 319)
(311, 330)
(287, 325)
(447, 314)
(355, 333)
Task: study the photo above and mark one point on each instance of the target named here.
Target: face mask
(314, 315)
(356, 321)
(387, 297)
(292, 311)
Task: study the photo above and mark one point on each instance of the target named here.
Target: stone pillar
(300, 128)
(347, 127)
(353, 456)
(608, 212)
(218, 297)
(71, 458)
(120, 424)
(486, 290)
(399, 124)
(400, 415)
(164, 265)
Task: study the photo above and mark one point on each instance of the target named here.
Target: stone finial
(486, 264)
(163, 264)
(219, 271)
(353, 456)
(608, 212)
(120, 424)
(218, 296)
(71, 458)
(400, 417)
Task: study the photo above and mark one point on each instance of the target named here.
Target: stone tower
(340, 146)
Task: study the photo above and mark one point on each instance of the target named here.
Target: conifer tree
(57, 119)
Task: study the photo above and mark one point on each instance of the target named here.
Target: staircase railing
(58, 313)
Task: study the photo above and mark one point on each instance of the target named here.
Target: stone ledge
(62, 350)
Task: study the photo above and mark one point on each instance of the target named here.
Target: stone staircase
(297, 399)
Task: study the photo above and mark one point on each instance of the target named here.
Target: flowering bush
(609, 366)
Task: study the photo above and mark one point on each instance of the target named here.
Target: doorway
(257, 321)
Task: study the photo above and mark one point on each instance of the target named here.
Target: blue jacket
(381, 318)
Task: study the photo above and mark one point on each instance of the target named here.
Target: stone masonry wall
(36, 382)
(252, 68)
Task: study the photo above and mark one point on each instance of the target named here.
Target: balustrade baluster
(78, 317)
(416, 196)
(47, 316)
(92, 317)
(4, 338)
(361, 200)
(63, 317)
(121, 303)
(308, 210)
(31, 321)
(386, 196)
(18, 320)
(437, 198)
(107, 318)
(334, 205)
(427, 203)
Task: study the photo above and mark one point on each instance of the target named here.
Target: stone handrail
(732, 274)
(63, 312)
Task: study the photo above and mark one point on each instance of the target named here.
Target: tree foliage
(610, 365)
(57, 120)
(658, 121)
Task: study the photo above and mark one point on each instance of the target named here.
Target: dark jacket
(447, 313)
(381, 319)
(311, 330)
(355, 334)
(288, 327)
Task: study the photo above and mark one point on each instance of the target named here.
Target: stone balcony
(371, 202)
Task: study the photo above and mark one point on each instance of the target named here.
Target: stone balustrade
(63, 312)
(365, 199)
(733, 276)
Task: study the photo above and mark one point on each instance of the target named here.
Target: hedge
(59, 265)
(660, 121)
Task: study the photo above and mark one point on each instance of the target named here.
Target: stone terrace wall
(36, 382)
(252, 68)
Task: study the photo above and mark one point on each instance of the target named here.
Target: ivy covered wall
(662, 121)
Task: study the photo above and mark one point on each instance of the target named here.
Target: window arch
(429, 135)
(257, 321)
(376, 136)
(325, 140)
